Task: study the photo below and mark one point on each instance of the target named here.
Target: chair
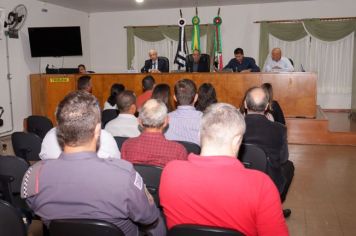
(5, 186)
(200, 230)
(190, 147)
(11, 223)
(253, 157)
(204, 58)
(165, 59)
(120, 141)
(108, 115)
(39, 125)
(151, 177)
(26, 145)
(83, 227)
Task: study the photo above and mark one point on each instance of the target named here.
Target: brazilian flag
(196, 34)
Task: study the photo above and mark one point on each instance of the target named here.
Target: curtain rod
(301, 20)
(150, 26)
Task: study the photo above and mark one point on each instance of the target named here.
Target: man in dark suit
(155, 64)
(241, 63)
(271, 137)
(197, 65)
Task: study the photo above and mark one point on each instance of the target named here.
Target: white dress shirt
(125, 125)
(283, 65)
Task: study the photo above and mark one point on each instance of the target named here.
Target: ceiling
(127, 5)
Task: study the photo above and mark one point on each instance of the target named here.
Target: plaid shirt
(153, 149)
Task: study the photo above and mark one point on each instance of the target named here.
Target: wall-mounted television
(55, 41)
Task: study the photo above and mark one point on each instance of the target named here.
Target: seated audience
(151, 147)
(155, 64)
(273, 106)
(271, 137)
(162, 92)
(197, 65)
(215, 189)
(185, 121)
(148, 83)
(84, 84)
(80, 185)
(115, 90)
(206, 96)
(82, 69)
(241, 63)
(50, 148)
(125, 124)
(277, 63)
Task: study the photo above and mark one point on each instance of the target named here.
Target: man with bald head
(271, 137)
(154, 64)
(277, 63)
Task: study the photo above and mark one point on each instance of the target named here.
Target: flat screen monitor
(55, 41)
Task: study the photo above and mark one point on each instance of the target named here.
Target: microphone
(302, 68)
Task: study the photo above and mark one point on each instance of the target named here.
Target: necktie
(154, 65)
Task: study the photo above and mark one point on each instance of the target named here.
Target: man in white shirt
(126, 124)
(277, 63)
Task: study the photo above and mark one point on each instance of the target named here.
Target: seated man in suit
(154, 64)
(80, 185)
(215, 189)
(151, 147)
(241, 63)
(277, 63)
(197, 65)
(271, 137)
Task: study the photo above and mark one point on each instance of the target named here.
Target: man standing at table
(277, 63)
(155, 64)
(241, 63)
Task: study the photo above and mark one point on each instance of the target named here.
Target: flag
(180, 58)
(196, 33)
(218, 60)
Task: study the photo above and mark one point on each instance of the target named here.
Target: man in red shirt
(215, 189)
(148, 84)
(151, 147)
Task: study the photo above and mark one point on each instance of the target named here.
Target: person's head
(185, 92)
(78, 119)
(115, 90)
(256, 101)
(267, 87)
(82, 69)
(221, 130)
(196, 55)
(162, 92)
(206, 96)
(148, 83)
(153, 54)
(153, 116)
(126, 102)
(276, 54)
(239, 54)
(84, 83)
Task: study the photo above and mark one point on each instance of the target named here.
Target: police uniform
(81, 185)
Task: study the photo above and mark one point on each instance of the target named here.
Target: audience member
(50, 148)
(151, 147)
(271, 137)
(125, 124)
(277, 63)
(197, 64)
(215, 189)
(162, 92)
(84, 83)
(185, 121)
(115, 90)
(148, 83)
(155, 64)
(80, 185)
(206, 97)
(82, 69)
(273, 106)
(241, 63)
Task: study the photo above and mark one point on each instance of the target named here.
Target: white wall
(108, 36)
(20, 58)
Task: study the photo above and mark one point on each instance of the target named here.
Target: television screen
(55, 41)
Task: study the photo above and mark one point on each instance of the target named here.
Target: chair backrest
(5, 188)
(151, 177)
(39, 125)
(83, 227)
(200, 230)
(15, 167)
(120, 141)
(190, 147)
(253, 157)
(26, 145)
(11, 222)
(166, 61)
(108, 115)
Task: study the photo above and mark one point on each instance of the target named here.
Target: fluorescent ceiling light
(139, 1)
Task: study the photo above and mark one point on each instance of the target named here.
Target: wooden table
(295, 92)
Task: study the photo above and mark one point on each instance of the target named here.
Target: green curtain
(158, 33)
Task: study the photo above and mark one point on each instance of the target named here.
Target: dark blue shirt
(247, 63)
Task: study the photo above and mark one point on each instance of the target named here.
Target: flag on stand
(218, 60)
(196, 32)
(180, 58)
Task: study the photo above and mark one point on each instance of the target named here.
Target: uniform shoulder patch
(30, 181)
(138, 181)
